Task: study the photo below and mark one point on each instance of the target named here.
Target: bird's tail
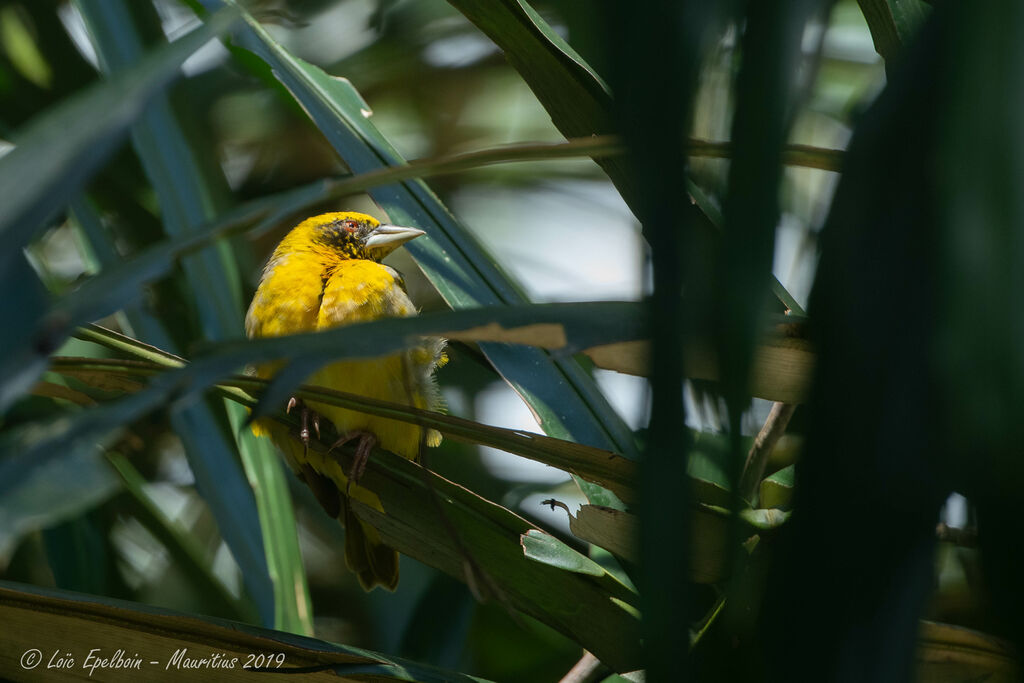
(374, 563)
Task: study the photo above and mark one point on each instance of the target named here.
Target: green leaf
(173, 164)
(547, 549)
(763, 519)
(22, 351)
(580, 605)
(708, 467)
(293, 609)
(713, 214)
(437, 631)
(777, 490)
(892, 23)
(20, 48)
(709, 458)
(36, 493)
(79, 556)
(55, 155)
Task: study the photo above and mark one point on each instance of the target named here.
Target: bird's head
(356, 235)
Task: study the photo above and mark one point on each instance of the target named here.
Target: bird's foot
(307, 417)
(367, 440)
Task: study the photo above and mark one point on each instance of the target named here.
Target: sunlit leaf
(613, 530)
(777, 490)
(781, 371)
(547, 549)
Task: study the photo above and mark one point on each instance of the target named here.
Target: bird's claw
(307, 417)
(367, 440)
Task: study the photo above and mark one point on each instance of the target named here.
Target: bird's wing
(360, 290)
(364, 290)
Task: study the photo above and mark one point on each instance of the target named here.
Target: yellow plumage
(326, 273)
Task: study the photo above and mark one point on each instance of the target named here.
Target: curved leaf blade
(601, 467)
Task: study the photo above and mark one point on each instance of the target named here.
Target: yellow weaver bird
(326, 273)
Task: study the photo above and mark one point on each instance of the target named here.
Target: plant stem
(773, 429)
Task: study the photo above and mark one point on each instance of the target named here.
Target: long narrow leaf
(173, 646)
(892, 23)
(602, 467)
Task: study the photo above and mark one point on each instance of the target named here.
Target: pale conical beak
(384, 239)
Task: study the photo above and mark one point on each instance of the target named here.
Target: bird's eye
(350, 225)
